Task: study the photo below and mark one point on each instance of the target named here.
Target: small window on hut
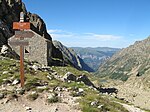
(26, 50)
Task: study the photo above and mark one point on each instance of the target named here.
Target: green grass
(32, 97)
(105, 101)
(32, 79)
(54, 99)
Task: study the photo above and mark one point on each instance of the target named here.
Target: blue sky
(94, 23)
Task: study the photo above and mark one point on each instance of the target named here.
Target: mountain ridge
(130, 61)
(93, 57)
(70, 56)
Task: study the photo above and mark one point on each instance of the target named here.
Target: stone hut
(39, 48)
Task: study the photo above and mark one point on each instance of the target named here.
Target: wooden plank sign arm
(21, 25)
(19, 43)
(25, 34)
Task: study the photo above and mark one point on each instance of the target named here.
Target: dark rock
(70, 57)
(20, 91)
(108, 90)
(69, 76)
(15, 82)
(7, 81)
(1, 95)
(9, 12)
(84, 78)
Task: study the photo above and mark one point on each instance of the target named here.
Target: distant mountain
(93, 57)
(132, 63)
(70, 57)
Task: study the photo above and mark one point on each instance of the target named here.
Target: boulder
(15, 82)
(5, 72)
(1, 95)
(4, 50)
(69, 76)
(58, 89)
(100, 106)
(7, 51)
(54, 73)
(85, 79)
(52, 98)
(81, 90)
(35, 67)
(94, 103)
(49, 77)
(20, 91)
(28, 108)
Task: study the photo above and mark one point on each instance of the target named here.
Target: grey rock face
(9, 12)
(70, 57)
(8, 52)
(1, 95)
(4, 49)
(69, 76)
(85, 79)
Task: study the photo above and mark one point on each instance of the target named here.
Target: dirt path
(131, 108)
(68, 104)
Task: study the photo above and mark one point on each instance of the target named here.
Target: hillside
(93, 57)
(70, 57)
(61, 89)
(132, 66)
(133, 60)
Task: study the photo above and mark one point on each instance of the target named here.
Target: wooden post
(22, 65)
(21, 34)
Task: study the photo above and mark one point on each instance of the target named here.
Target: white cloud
(103, 37)
(86, 39)
(53, 31)
(60, 33)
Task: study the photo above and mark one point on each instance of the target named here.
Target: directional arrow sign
(19, 43)
(21, 25)
(25, 34)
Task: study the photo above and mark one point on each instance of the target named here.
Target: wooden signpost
(21, 34)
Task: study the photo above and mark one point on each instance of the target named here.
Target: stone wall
(39, 49)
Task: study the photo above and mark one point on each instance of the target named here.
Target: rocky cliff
(10, 12)
(70, 57)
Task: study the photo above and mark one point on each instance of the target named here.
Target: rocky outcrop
(70, 57)
(10, 12)
(8, 52)
(69, 76)
(82, 78)
(85, 80)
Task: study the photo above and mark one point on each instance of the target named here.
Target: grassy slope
(33, 77)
